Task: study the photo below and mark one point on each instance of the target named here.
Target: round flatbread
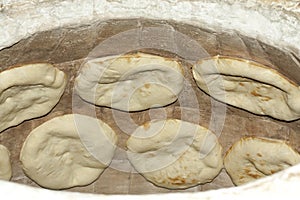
(5, 165)
(249, 85)
(29, 91)
(68, 151)
(175, 154)
(252, 158)
(130, 82)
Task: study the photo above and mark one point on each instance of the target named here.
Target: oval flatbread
(68, 151)
(249, 85)
(252, 158)
(5, 165)
(175, 154)
(29, 91)
(130, 82)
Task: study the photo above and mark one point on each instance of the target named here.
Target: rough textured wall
(273, 22)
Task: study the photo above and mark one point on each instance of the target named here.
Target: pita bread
(175, 154)
(252, 158)
(130, 82)
(5, 165)
(249, 85)
(29, 91)
(58, 154)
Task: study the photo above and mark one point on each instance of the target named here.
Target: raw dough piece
(5, 165)
(249, 85)
(130, 82)
(252, 158)
(68, 151)
(29, 91)
(175, 154)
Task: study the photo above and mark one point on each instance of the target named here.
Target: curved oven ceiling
(276, 23)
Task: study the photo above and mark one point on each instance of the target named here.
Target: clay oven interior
(68, 47)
